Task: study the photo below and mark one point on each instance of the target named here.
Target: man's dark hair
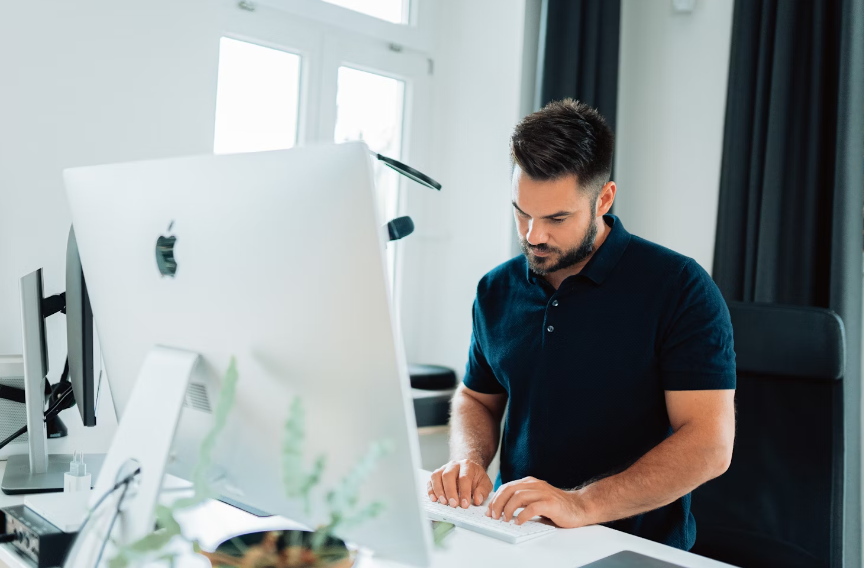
(564, 138)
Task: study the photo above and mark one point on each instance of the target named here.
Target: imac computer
(275, 259)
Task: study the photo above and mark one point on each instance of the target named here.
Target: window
(395, 11)
(295, 72)
(369, 108)
(256, 98)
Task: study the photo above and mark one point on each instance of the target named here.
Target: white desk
(214, 521)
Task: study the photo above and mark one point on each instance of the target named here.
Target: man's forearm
(474, 430)
(675, 467)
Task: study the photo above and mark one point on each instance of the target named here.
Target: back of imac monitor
(275, 259)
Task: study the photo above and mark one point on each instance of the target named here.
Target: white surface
(66, 511)
(565, 548)
(315, 325)
(671, 110)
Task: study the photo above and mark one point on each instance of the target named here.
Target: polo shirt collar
(606, 257)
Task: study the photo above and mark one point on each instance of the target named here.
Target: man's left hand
(567, 509)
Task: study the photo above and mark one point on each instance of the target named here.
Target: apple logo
(165, 254)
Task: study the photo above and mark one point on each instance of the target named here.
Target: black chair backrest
(780, 502)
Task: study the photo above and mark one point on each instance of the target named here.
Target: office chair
(781, 501)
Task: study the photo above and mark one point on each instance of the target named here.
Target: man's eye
(558, 220)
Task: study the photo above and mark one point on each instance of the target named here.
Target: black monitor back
(79, 335)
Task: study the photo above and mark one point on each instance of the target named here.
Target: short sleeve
(478, 374)
(697, 350)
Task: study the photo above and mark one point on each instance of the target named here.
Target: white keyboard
(474, 519)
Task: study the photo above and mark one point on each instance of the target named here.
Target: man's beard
(544, 265)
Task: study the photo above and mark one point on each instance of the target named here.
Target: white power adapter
(77, 478)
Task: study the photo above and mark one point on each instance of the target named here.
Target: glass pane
(395, 11)
(369, 108)
(256, 98)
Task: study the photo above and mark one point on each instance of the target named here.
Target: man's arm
(700, 449)
(475, 423)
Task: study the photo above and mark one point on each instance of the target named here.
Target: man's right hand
(459, 483)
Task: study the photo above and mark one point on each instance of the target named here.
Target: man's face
(555, 221)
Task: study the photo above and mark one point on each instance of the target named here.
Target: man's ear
(606, 198)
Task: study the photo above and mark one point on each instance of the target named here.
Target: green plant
(298, 483)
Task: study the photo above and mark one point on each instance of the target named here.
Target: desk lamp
(425, 377)
(403, 226)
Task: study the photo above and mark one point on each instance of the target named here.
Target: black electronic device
(401, 227)
(34, 537)
(79, 335)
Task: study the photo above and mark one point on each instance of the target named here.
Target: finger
(451, 491)
(483, 488)
(438, 486)
(519, 499)
(430, 491)
(501, 497)
(529, 512)
(464, 483)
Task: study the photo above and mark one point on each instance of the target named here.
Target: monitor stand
(18, 480)
(140, 443)
(37, 471)
(160, 387)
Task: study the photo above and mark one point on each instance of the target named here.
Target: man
(615, 355)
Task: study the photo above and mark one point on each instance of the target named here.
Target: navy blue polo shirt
(585, 367)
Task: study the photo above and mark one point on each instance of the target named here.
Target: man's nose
(535, 235)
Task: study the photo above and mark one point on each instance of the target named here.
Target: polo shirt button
(554, 302)
(550, 329)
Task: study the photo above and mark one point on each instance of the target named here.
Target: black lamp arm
(409, 172)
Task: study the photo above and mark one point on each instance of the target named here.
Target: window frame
(417, 34)
(325, 37)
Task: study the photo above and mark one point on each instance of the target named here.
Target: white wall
(89, 82)
(464, 231)
(97, 81)
(671, 108)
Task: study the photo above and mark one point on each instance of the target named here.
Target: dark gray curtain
(790, 213)
(580, 53)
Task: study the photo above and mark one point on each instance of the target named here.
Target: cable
(111, 526)
(12, 437)
(53, 410)
(8, 537)
(123, 482)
